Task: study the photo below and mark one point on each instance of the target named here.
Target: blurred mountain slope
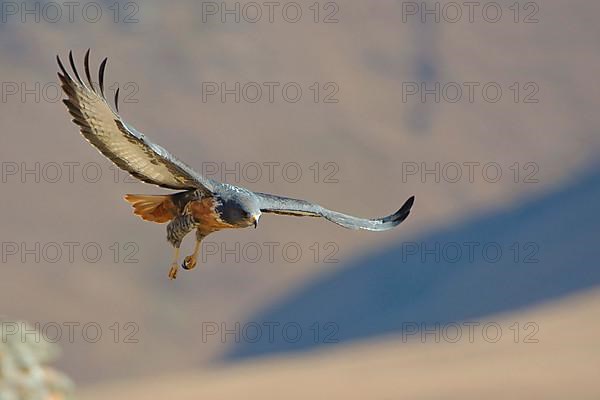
(539, 251)
(563, 364)
(369, 135)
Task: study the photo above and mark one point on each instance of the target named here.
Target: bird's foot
(173, 271)
(174, 264)
(189, 263)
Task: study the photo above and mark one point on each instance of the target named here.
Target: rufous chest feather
(204, 212)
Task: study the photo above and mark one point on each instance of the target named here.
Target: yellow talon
(173, 271)
(174, 265)
(189, 263)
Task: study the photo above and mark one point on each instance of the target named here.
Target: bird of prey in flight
(202, 204)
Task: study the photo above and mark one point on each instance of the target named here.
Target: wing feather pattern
(285, 206)
(129, 149)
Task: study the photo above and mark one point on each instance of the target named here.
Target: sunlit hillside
(516, 169)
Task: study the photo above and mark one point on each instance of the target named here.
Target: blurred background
(486, 112)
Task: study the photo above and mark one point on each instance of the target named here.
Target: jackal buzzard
(201, 203)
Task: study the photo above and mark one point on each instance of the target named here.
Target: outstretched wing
(282, 205)
(129, 149)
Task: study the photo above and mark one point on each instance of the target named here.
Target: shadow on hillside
(381, 293)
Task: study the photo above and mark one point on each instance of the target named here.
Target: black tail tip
(408, 204)
(404, 211)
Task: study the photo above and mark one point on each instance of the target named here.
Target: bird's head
(239, 209)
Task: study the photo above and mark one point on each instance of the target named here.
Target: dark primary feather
(73, 67)
(86, 65)
(102, 69)
(118, 141)
(149, 162)
(286, 206)
(117, 99)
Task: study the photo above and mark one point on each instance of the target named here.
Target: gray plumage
(229, 206)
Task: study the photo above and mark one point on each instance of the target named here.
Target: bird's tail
(155, 208)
